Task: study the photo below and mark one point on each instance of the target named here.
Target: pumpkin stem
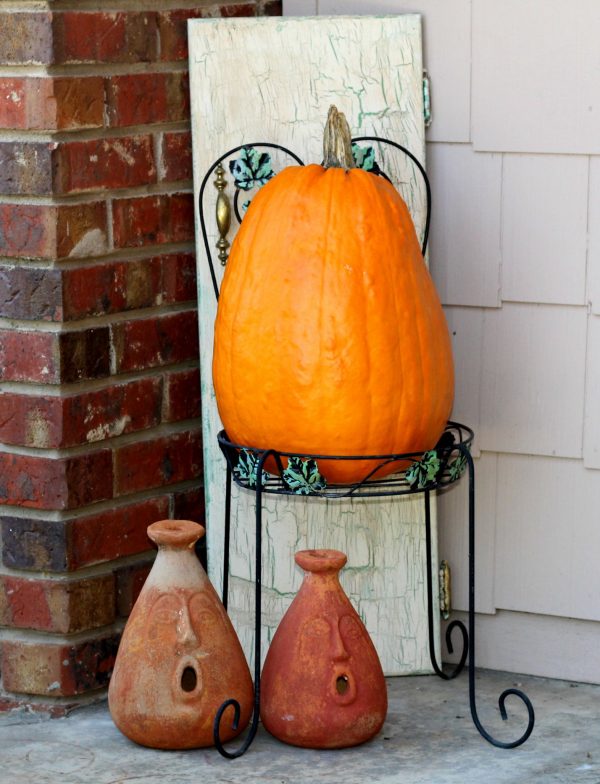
(337, 141)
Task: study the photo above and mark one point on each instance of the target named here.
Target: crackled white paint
(445, 21)
(274, 80)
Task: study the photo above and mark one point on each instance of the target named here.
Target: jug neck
(176, 563)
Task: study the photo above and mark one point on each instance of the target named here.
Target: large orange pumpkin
(330, 337)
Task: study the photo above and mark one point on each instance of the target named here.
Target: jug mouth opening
(188, 681)
(320, 560)
(175, 533)
(342, 684)
(344, 688)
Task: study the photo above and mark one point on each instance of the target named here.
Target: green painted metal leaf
(252, 169)
(246, 469)
(302, 476)
(364, 158)
(431, 462)
(423, 472)
(457, 467)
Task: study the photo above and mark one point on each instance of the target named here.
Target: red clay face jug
(179, 657)
(322, 685)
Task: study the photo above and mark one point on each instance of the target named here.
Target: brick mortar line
(74, 199)
(15, 70)
(96, 133)
(24, 5)
(23, 513)
(34, 636)
(49, 708)
(157, 145)
(110, 218)
(162, 430)
(126, 254)
(94, 385)
(93, 322)
(80, 262)
(171, 188)
(142, 5)
(95, 570)
(110, 6)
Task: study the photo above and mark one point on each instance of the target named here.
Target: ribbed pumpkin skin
(330, 337)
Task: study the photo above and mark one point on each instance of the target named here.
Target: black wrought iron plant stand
(297, 474)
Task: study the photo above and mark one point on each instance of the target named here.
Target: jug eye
(350, 629)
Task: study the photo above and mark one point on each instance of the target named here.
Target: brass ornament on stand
(223, 215)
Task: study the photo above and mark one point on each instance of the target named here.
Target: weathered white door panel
(449, 66)
(273, 80)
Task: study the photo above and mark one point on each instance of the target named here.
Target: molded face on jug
(187, 625)
(326, 646)
(179, 658)
(322, 684)
(181, 629)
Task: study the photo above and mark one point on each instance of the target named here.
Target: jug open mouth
(344, 686)
(188, 679)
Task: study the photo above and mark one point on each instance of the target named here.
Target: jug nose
(339, 650)
(186, 636)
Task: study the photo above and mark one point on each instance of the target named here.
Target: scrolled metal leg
(516, 692)
(455, 624)
(227, 537)
(257, 636)
(465, 649)
(234, 725)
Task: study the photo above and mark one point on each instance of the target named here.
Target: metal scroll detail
(299, 474)
(218, 182)
(455, 443)
(253, 169)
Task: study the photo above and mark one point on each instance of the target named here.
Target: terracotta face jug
(179, 657)
(322, 685)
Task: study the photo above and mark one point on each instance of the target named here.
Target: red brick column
(99, 395)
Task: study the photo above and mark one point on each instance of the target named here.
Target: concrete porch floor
(428, 738)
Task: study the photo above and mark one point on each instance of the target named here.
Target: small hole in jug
(342, 684)
(189, 679)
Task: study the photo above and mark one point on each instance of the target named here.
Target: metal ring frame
(459, 443)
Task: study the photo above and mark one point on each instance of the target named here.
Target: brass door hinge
(426, 99)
